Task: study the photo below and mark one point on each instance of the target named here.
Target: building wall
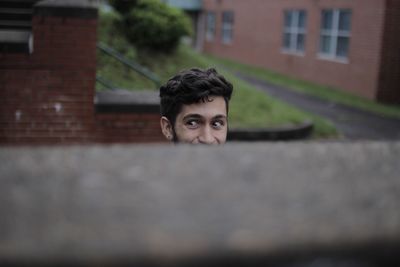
(389, 80)
(258, 30)
(127, 127)
(47, 96)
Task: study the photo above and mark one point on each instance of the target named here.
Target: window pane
(210, 25)
(302, 19)
(342, 47)
(344, 20)
(286, 40)
(226, 35)
(224, 17)
(210, 20)
(293, 37)
(300, 42)
(227, 17)
(327, 19)
(227, 27)
(288, 19)
(326, 44)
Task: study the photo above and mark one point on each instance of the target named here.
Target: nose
(207, 137)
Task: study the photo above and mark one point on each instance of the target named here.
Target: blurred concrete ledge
(242, 204)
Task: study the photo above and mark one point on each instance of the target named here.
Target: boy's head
(194, 107)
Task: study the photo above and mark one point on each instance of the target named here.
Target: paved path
(352, 123)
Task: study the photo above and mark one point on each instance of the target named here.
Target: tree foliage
(152, 25)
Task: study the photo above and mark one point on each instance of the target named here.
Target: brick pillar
(46, 97)
(389, 78)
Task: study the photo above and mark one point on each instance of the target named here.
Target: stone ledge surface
(83, 9)
(289, 132)
(164, 203)
(126, 101)
(127, 97)
(69, 3)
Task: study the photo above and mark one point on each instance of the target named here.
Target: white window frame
(227, 27)
(335, 34)
(294, 30)
(210, 26)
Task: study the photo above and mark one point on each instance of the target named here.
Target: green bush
(153, 25)
(123, 6)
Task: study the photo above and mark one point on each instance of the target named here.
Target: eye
(218, 124)
(192, 124)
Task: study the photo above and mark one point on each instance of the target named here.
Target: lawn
(249, 107)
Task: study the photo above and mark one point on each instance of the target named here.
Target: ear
(166, 128)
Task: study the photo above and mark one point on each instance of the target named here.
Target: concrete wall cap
(68, 3)
(122, 96)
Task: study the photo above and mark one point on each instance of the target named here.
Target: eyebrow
(219, 117)
(192, 116)
(198, 116)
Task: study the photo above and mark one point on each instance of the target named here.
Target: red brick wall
(389, 82)
(258, 32)
(129, 128)
(46, 97)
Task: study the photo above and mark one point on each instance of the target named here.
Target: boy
(194, 107)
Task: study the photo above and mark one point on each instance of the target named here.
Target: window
(294, 33)
(335, 34)
(210, 28)
(227, 27)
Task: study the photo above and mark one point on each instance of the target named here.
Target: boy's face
(199, 123)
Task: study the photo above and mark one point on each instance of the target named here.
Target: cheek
(221, 136)
(185, 135)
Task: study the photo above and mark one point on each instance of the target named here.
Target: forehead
(214, 107)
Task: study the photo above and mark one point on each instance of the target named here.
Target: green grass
(252, 108)
(108, 67)
(321, 91)
(249, 107)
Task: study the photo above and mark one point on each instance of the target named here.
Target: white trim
(294, 53)
(31, 43)
(343, 60)
(14, 36)
(334, 32)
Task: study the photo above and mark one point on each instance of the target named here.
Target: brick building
(348, 44)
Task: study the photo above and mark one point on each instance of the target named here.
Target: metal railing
(129, 63)
(106, 83)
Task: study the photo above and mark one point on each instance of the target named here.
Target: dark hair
(192, 86)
